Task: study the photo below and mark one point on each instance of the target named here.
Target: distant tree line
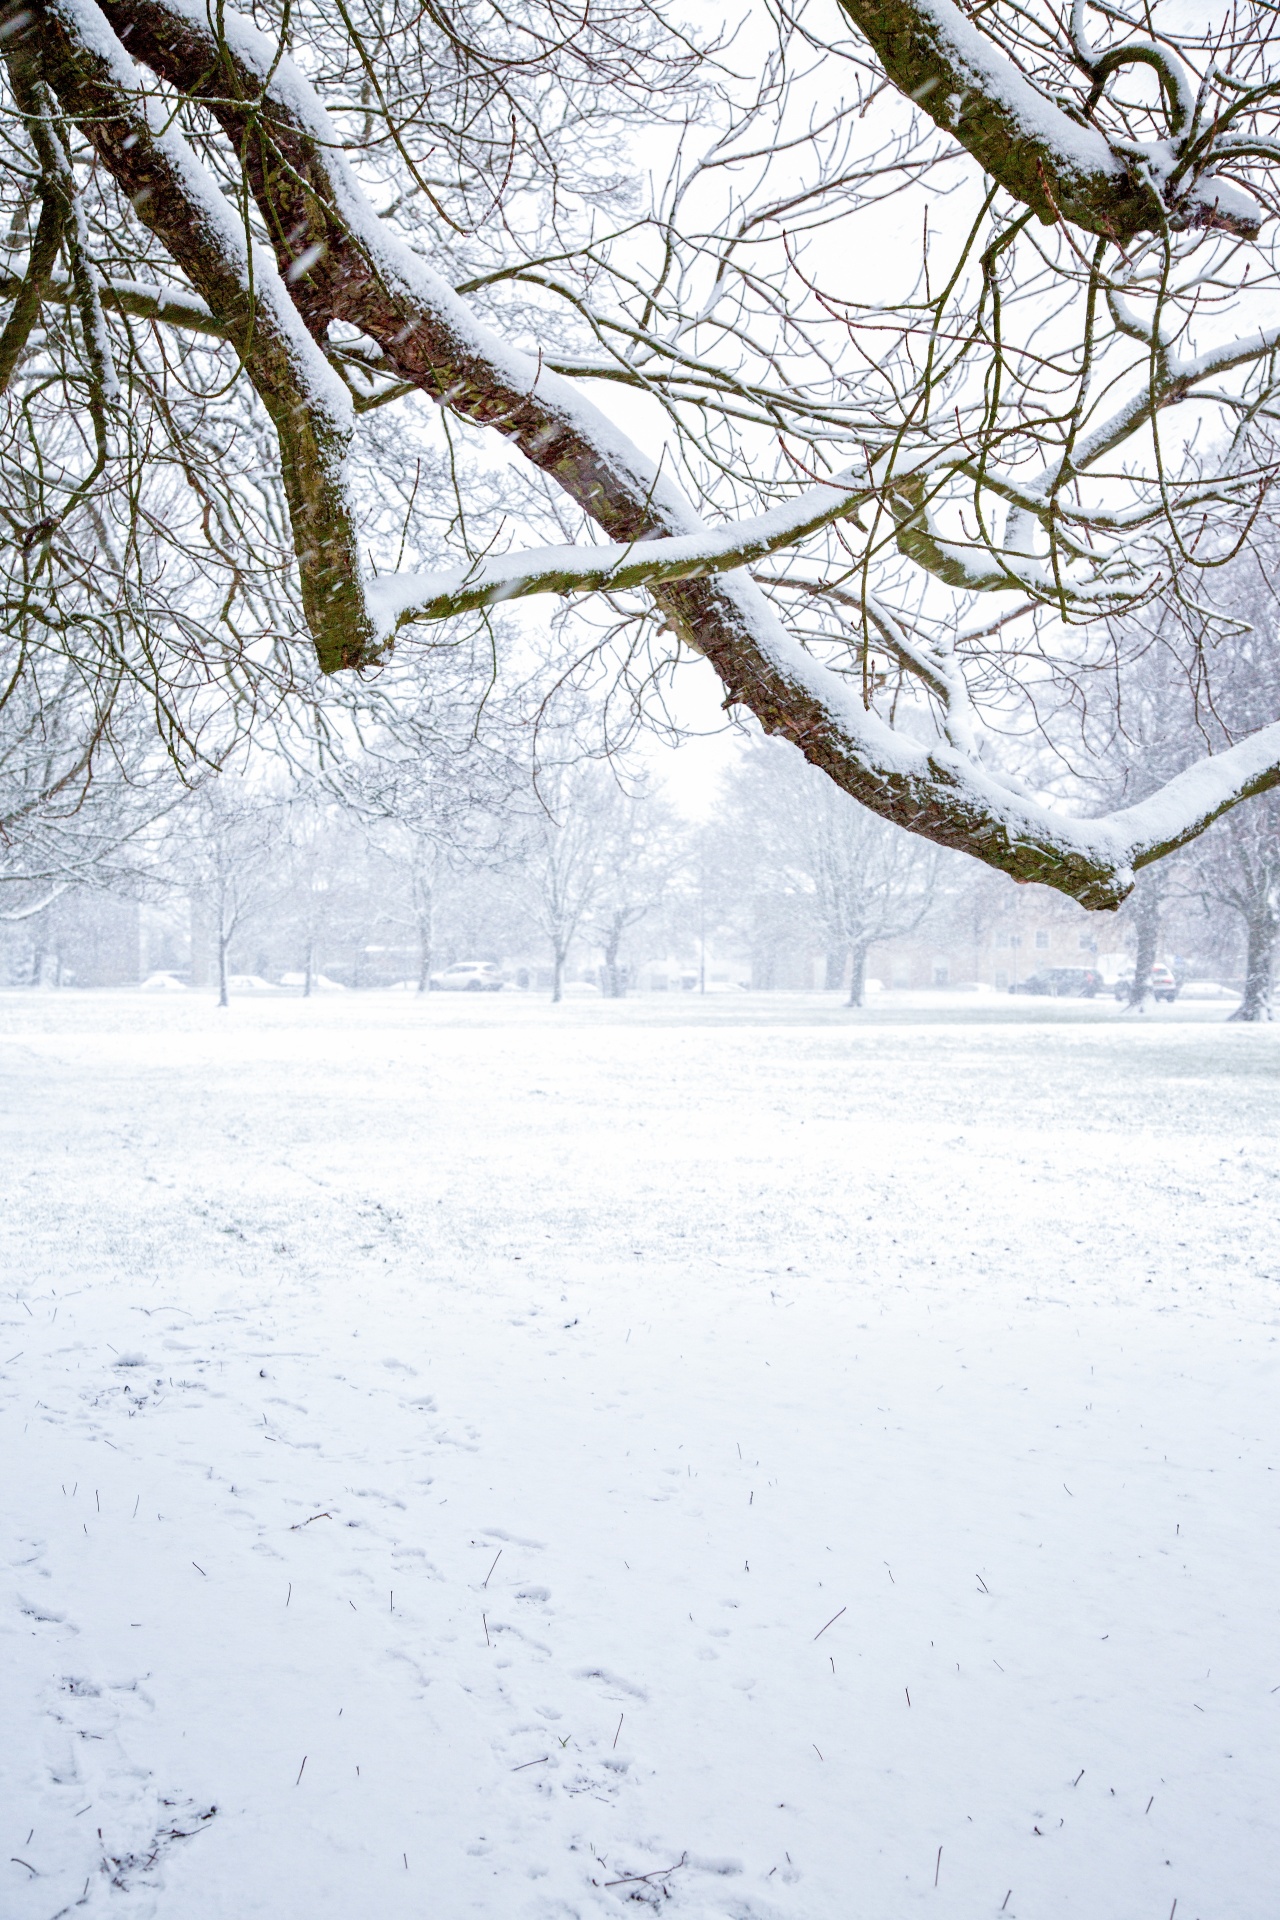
(579, 872)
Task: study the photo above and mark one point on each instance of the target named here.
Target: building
(993, 936)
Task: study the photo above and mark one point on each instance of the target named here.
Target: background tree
(314, 856)
(641, 859)
(83, 778)
(224, 849)
(1148, 737)
(862, 882)
(1237, 864)
(440, 785)
(1238, 867)
(568, 847)
(872, 882)
(421, 858)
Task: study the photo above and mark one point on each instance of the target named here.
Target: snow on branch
(397, 599)
(1060, 167)
(1182, 809)
(174, 306)
(9, 915)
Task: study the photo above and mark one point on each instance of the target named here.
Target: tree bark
(1259, 967)
(309, 970)
(615, 988)
(557, 978)
(425, 931)
(223, 943)
(857, 974)
(1148, 919)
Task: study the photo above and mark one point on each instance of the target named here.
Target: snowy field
(475, 1458)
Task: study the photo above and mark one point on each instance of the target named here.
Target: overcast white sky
(691, 772)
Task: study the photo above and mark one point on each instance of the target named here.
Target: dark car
(1079, 982)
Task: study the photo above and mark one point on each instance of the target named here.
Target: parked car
(1163, 985)
(1206, 990)
(468, 976)
(1080, 982)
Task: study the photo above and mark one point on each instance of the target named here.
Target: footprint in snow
(92, 1810)
(613, 1683)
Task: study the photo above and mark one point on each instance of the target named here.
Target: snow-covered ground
(475, 1458)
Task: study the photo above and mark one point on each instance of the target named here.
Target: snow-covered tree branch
(1057, 158)
(1067, 397)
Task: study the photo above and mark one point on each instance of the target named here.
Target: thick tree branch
(55, 211)
(71, 46)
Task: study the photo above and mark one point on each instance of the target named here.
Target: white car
(468, 976)
(1207, 990)
(1163, 985)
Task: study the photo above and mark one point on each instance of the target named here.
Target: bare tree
(1239, 869)
(1147, 738)
(863, 881)
(82, 780)
(1147, 899)
(567, 852)
(427, 868)
(439, 784)
(1064, 405)
(874, 883)
(225, 850)
(641, 857)
(1237, 865)
(313, 860)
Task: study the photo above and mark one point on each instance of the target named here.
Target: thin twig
(658, 1873)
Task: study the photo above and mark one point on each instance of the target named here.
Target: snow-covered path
(492, 1453)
